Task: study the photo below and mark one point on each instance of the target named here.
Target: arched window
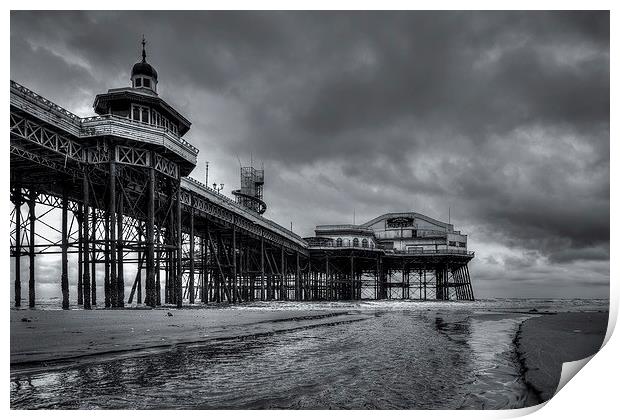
(356, 242)
(364, 243)
(339, 242)
(372, 244)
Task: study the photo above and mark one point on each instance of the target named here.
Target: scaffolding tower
(250, 195)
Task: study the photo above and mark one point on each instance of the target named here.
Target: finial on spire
(143, 50)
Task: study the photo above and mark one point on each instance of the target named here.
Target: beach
(44, 337)
(545, 342)
(497, 354)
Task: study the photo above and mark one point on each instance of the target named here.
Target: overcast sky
(501, 116)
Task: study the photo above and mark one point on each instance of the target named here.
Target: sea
(406, 355)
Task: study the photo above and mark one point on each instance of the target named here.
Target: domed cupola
(143, 75)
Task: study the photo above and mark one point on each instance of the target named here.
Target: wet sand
(545, 342)
(43, 338)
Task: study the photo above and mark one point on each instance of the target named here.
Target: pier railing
(112, 125)
(320, 244)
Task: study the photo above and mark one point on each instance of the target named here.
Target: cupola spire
(143, 49)
(143, 75)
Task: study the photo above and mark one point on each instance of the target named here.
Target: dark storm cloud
(502, 115)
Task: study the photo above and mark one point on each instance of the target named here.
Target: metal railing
(430, 251)
(114, 124)
(344, 227)
(324, 245)
(44, 101)
(149, 133)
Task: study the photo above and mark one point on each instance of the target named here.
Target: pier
(114, 190)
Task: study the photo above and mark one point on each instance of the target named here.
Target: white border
(591, 395)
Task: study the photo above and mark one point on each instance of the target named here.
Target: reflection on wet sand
(398, 359)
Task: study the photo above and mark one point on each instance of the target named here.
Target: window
(364, 243)
(146, 83)
(145, 115)
(356, 242)
(339, 242)
(140, 113)
(452, 243)
(462, 244)
(135, 112)
(415, 249)
(139, 82)
(372, 244)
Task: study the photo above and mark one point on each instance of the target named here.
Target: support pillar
(80, 290)
(31, 250)
(179, 262)
(352, 277)
(17, 200)
(283, 285)
(262, 267)
(234, 261)
(106, 260)
(204, 297)
(93, 274)
(327, 281)
(191, 255)
(120, 278)
(151, 297)
(85, 245)
(113, 286)
(64, 263)
(297, 278)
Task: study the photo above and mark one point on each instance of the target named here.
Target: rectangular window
(147, 83)
(135, 113)
(452, 243)
(139, 82)
(462, 244)
(145, 115)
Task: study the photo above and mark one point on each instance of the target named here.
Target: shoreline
(46, 344)
(48, 340)
(547, 340)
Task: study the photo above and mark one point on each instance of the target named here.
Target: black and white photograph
(319, 209)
